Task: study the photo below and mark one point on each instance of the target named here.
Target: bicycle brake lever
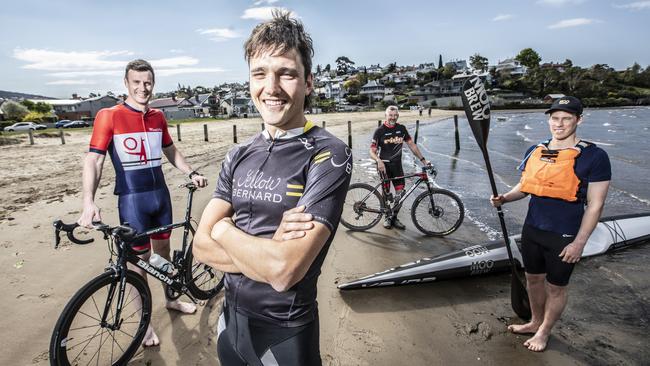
(69, 230)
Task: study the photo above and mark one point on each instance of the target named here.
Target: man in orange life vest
(568, 180)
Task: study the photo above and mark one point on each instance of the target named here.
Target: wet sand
(453, 322)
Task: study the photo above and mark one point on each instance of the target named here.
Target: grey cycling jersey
(263, 178)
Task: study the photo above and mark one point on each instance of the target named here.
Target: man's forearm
(177, 159)
(373, 154)
(588, 223)
(416, 151)
(215, 256)
(280, 264)
(236, 244)
(205, 249)
(92, 172)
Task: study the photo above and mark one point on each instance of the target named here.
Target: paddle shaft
(504, 230)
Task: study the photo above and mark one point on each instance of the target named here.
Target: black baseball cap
(568, 104)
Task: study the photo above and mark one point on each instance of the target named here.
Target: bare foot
(183, 307)
(150, 338)
(528, 328)
(537, 343)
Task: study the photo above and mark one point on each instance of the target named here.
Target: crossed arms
(281, 261)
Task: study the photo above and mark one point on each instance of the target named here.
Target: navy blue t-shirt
(564, 217)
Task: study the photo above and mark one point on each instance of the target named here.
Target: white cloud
(75, 67)
(263, 13)
(159, 72)
(576, 22)
(189, 70)
(502, 17)
(71, 82)
(173, 62)
(76, 74)
(219, 34)
(269, 2)
(176, 50)
(638, 5)
(560, 2)
(39, 59)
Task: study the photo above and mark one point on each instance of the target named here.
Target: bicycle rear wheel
(80, 338)
(437, 213)
(203, 281)
(362, 208)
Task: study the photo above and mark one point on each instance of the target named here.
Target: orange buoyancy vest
(551, 173)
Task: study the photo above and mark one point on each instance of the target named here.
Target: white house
(511, 67)
(374, 90)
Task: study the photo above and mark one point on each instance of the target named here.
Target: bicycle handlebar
(69, 230)
(126, 233)
(431, 169)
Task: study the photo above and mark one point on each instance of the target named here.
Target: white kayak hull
(611, 233)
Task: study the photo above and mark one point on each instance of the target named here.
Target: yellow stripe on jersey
(295, 186)
(294, 194)
(322, 157)
(308, 126)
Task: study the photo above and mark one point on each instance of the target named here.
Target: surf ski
(611, 233)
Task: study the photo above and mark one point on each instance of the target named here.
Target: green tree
(343, 64)
(631, 75)
(391, 67)
(318, 69)
(14, 111)
(42, 107)
(447, 72)
(440, 62)
(328, 68)
(529, 58)
(352, 86)
(478, 62)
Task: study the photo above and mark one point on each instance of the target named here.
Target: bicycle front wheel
(81, 338)
(203, 281)
(363, 207)
(437, 213)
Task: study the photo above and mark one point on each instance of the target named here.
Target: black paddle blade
(477, 108)
(519, 298)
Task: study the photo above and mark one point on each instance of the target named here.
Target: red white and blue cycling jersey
(134, 140)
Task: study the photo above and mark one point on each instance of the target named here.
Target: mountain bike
(106, 320)
(435, 212)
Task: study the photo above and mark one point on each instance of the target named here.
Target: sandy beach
(413, 325)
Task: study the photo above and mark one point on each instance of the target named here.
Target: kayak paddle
(477, 109)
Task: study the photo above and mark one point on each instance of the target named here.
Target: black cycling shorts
(248, 341)
(394, 169)
(541, 250)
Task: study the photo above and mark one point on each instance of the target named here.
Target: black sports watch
(193, 173)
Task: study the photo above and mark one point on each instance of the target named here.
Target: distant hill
(13, 95)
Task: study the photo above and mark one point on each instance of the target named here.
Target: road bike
(106, 320)
(435, 212)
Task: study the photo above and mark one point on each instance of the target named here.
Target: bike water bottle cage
(551, 173)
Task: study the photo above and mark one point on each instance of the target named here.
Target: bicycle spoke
(90, 316)
(84, 348)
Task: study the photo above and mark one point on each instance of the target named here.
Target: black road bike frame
(423, 177)
(122, 236)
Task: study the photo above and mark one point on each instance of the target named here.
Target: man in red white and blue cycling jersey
(136, 137)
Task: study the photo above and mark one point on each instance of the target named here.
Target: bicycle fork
(117, 322)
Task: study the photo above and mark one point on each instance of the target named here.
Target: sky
(55, 48)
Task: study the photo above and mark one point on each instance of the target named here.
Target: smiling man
(563, 175)
(270, 314)
(136, 137)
